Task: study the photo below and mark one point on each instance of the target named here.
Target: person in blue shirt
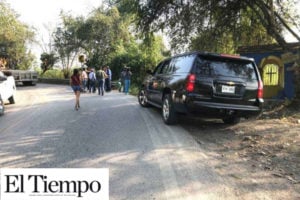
(92, 81)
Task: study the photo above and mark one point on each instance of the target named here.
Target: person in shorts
(75, 83)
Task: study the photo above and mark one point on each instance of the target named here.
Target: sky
(45, 13)
(39, 12)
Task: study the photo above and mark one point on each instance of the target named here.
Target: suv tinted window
(182, 64)
(166, 68)
(208, 66)
(161, 68)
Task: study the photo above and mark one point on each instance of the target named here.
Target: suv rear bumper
(207, 109)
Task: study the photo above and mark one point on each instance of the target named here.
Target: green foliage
(206, 41)
(13, 38)
(48, 61)
(134, 89)
(66, 42)
(105, 39)
(139, 57)
(243, 22)
(129, 59)
(247, 32)
(98, 37)
(52, 73)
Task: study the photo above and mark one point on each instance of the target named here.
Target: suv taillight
(190, 85)
(260, 91)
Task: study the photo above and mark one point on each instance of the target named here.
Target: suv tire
(143, 101)
(168, 111)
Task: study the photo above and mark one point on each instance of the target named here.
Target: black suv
(204, 84)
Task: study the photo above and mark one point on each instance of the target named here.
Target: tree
(131, 49)
(14, 37)
(107, 35)
(105, 39)
(247, 32)
(97, 36)
(229, 22)
(139, 57)
(184, 19)
(48, 61)
(67, 43)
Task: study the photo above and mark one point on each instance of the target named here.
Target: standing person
(127, 78)
(84, 78)
(108, 79)
(101, 75)
(75, 83)
(92, 80)
(122, 80)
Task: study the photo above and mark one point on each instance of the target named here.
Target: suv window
(182, 64)
(161, 67)
(166, 68)
(225, 67)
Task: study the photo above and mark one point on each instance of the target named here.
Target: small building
(277, 68)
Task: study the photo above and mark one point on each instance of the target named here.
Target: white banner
(54, 184)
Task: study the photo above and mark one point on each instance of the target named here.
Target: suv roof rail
(233, 56)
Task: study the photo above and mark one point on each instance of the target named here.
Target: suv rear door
(226, 80)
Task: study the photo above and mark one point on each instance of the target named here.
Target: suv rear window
(218, 66)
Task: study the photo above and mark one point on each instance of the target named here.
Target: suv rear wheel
(143, 98)
(168, 112)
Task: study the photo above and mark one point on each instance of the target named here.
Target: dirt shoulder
(262, 157)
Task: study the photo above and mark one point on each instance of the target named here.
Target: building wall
(285, 88)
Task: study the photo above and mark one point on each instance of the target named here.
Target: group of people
(83, 80)
(93, 79)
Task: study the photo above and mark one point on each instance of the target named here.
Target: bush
(53, 73)
(134, 89)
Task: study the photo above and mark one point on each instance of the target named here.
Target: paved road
(146, 158)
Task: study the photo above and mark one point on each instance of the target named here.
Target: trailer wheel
(27, 83)
(11, 100)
